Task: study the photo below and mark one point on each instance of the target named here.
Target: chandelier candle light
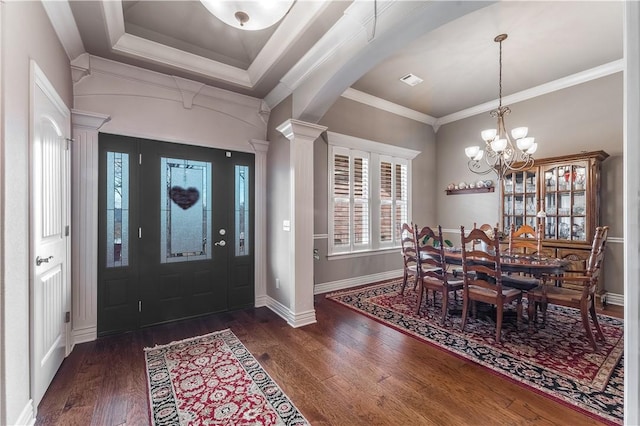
(499, 153)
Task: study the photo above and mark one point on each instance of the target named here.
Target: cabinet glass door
(565, 201)
(520, 201)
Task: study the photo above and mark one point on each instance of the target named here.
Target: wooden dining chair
(482, 275)
(522, 241)
(584, 299)
(409, 255)
(432, 269)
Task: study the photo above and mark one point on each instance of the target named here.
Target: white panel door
(50, 245)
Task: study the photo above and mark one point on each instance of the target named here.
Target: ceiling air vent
(411, 79)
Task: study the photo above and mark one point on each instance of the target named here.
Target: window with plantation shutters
(368, 194)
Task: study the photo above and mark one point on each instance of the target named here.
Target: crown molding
(543, 89)
(291, 28)
(373, 101)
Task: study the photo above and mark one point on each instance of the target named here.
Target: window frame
(340, 144)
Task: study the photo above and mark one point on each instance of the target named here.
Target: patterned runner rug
(214, 380)
(556, 360)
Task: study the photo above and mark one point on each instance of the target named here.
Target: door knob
(220, 243)
(41, 260)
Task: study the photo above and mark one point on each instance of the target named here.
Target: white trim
(64, 25)
(293, 319)
(298, 20)
(260, 221)
(27, 416)
(382, 104)
(84, 334)
(631, 220)
(614, 299)
(356, 281)
(552, 86)
(352, 142)
(364, 253)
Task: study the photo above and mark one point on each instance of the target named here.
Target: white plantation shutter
(393, 198)
(401, 198)
(386, 201)
(369, 194)
(350, 200)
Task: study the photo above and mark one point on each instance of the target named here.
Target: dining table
(533, 265)
(541, 269)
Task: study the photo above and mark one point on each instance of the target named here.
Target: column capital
(88, 120)
(259, 145)
(293, 128)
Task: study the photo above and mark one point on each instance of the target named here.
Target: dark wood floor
(345, 370)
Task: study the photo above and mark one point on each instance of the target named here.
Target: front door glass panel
(242, 210)
(117, 214)
(185, 210)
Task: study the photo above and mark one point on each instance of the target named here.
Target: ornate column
(302, 135)
(84, 224)
(260, 245)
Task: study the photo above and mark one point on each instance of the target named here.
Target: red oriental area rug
(556, 361)
(214, 380)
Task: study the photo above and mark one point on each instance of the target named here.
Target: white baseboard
(27, 417)
(84, 334)
(614, 299)
(295, 320)
(356, 281)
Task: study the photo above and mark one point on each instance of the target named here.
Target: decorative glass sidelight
(242, 210)
(185, 210)
(117, 209)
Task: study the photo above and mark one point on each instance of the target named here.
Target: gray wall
(586, 117)
(362, 121)
(26, 34)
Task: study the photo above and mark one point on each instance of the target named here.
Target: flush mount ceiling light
(248, 15)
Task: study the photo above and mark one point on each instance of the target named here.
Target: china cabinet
(567, 190)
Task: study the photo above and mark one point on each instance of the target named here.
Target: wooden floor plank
(346, 369)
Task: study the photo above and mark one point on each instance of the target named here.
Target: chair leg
(587, 326)
(445, 304)
(594, 318)
(405, 278)
(421, 290)
(465, 309)
(499, 312)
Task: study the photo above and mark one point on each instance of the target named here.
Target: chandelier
(248, 15)
(499, 154)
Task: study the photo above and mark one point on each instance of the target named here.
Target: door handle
(41, 260)
(220, 243)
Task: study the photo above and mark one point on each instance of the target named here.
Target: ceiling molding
(64, 25)
(365, 98)
(291, 28)
(124, 71)
(543, 89)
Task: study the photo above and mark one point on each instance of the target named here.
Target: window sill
(364, 253)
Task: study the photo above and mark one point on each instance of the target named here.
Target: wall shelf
(469, 190)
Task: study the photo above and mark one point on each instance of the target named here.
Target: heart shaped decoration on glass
(184, 198)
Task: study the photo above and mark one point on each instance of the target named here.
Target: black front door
(176, 232)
